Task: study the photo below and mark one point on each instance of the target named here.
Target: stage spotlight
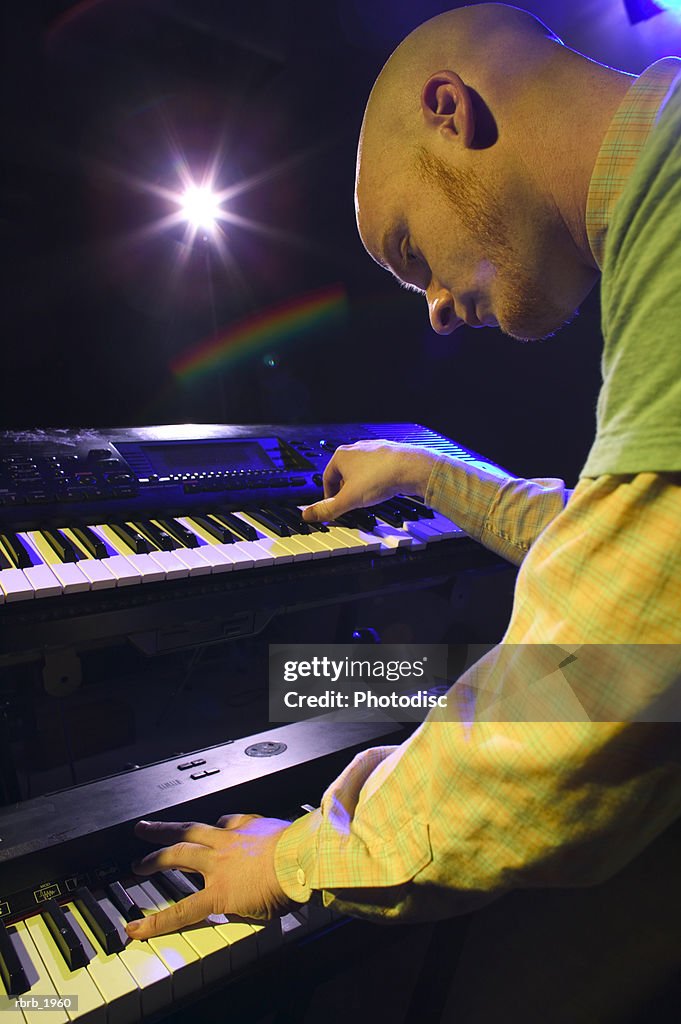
(640, 10)
(200, 207)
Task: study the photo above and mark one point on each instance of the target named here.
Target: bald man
(500, 174)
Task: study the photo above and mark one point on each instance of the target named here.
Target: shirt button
(300, 876)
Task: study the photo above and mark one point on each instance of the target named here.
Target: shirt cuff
(464, 493)
(295, 853)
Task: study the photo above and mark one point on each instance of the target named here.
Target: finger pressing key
(187, 911)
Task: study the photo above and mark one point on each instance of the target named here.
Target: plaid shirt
(462, 811)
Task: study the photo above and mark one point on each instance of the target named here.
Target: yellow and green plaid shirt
(463, 812)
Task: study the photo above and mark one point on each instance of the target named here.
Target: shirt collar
(621, 147)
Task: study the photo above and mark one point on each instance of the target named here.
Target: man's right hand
(367, 472)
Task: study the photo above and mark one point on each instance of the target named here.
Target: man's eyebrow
(387, 261)
(387, 249)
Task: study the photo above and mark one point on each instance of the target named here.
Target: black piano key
(269, 521)
(123, 902)
(291, 518)
(184, 537)
(61, 545)
(161, 538)
(90, 541)
(420, 508)
(4, 561)
(358, 519)
(236, 525)
(173, 885)
(135, 541)
(407, 508)
(63, 934)
(16, 550)
(220, 533)
(318, 527)
(102, 928)
(11, 968)
(388, 514)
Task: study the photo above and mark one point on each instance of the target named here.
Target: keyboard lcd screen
(199, 457)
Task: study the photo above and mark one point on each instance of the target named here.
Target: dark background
(94, 93)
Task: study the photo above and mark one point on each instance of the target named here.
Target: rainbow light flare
(282, 322)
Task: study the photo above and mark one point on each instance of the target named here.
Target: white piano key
(119, 990)
(356, 540)
(69, 575)
(174, 568)
(278, 546)
(216, 555)
(223, 557)
(447, 528)
(313, 543)
(293, 925)
(334, 544)
(391, 536)
(211, 948)
(257, 552)
(43, 581)
(351, 538)
(421, 530)
(124, 573)
(15, 586)
(91, 1005)
(272, 546)
(94, 569)
(149, 570)
(17, 1016)
(247, 554)
(194, 561)
(177, 955)
(42, 986)
(241, 938)
(150, 974)
(396, 537)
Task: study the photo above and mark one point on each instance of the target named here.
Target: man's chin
(534, 326)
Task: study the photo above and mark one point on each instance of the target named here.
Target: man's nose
(443, 318)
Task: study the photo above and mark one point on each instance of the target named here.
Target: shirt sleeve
(503, 512)
(471, 806)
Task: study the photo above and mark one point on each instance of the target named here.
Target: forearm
(462, 813)
(566, 766)
(506, 515)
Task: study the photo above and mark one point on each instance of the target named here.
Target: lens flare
(200, 207)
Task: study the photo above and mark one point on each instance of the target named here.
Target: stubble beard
(523, 310)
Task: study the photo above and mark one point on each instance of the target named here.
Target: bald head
(487, 45)
(460, 136)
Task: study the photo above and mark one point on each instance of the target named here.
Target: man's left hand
(236, 859)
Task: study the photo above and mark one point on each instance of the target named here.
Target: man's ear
(446, 105)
